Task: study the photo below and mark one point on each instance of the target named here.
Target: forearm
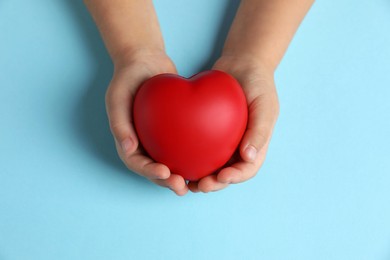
(263, 29)
(127, 26)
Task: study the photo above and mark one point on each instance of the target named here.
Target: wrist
(245, 64)
(131, 55)
(148, 56)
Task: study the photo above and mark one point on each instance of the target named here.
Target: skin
(256, 43)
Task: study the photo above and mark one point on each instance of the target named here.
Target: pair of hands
(257, 82)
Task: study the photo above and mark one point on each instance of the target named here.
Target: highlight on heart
(192, 125)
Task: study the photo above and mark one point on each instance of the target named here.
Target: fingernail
(225, 180)
(229, 180)
(161, 177)
(126, 145)
(251, 152)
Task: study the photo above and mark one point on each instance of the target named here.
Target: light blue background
(323, 193)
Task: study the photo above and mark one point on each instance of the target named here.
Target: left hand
(258, 84)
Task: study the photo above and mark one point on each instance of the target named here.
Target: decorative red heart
(191, 125)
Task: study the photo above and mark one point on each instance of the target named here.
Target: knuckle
(111, 96)
(275, 105)
(115, 125)
(263, 138)
(118, 128)
(262, 134)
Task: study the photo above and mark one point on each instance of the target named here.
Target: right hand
(130, 72)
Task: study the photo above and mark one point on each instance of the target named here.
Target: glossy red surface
(191, 125)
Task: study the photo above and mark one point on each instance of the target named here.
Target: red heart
(191, 125)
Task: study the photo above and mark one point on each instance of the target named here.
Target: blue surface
(323, 193)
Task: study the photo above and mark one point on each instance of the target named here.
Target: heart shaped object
(192, 125)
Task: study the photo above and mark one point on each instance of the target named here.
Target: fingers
(146, 167)
(193, 186)
(175, 182)
(143, 165)
(207, 184)
(263, 113)
(120, 94)
(119, 100)
(242, 171)
(237, 172)
(156, 172)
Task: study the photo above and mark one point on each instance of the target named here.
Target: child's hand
(129, 73)
(257, 41)
(261, 29)
(257, 82)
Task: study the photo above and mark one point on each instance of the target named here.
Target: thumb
(263, 113)
(118, 106)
